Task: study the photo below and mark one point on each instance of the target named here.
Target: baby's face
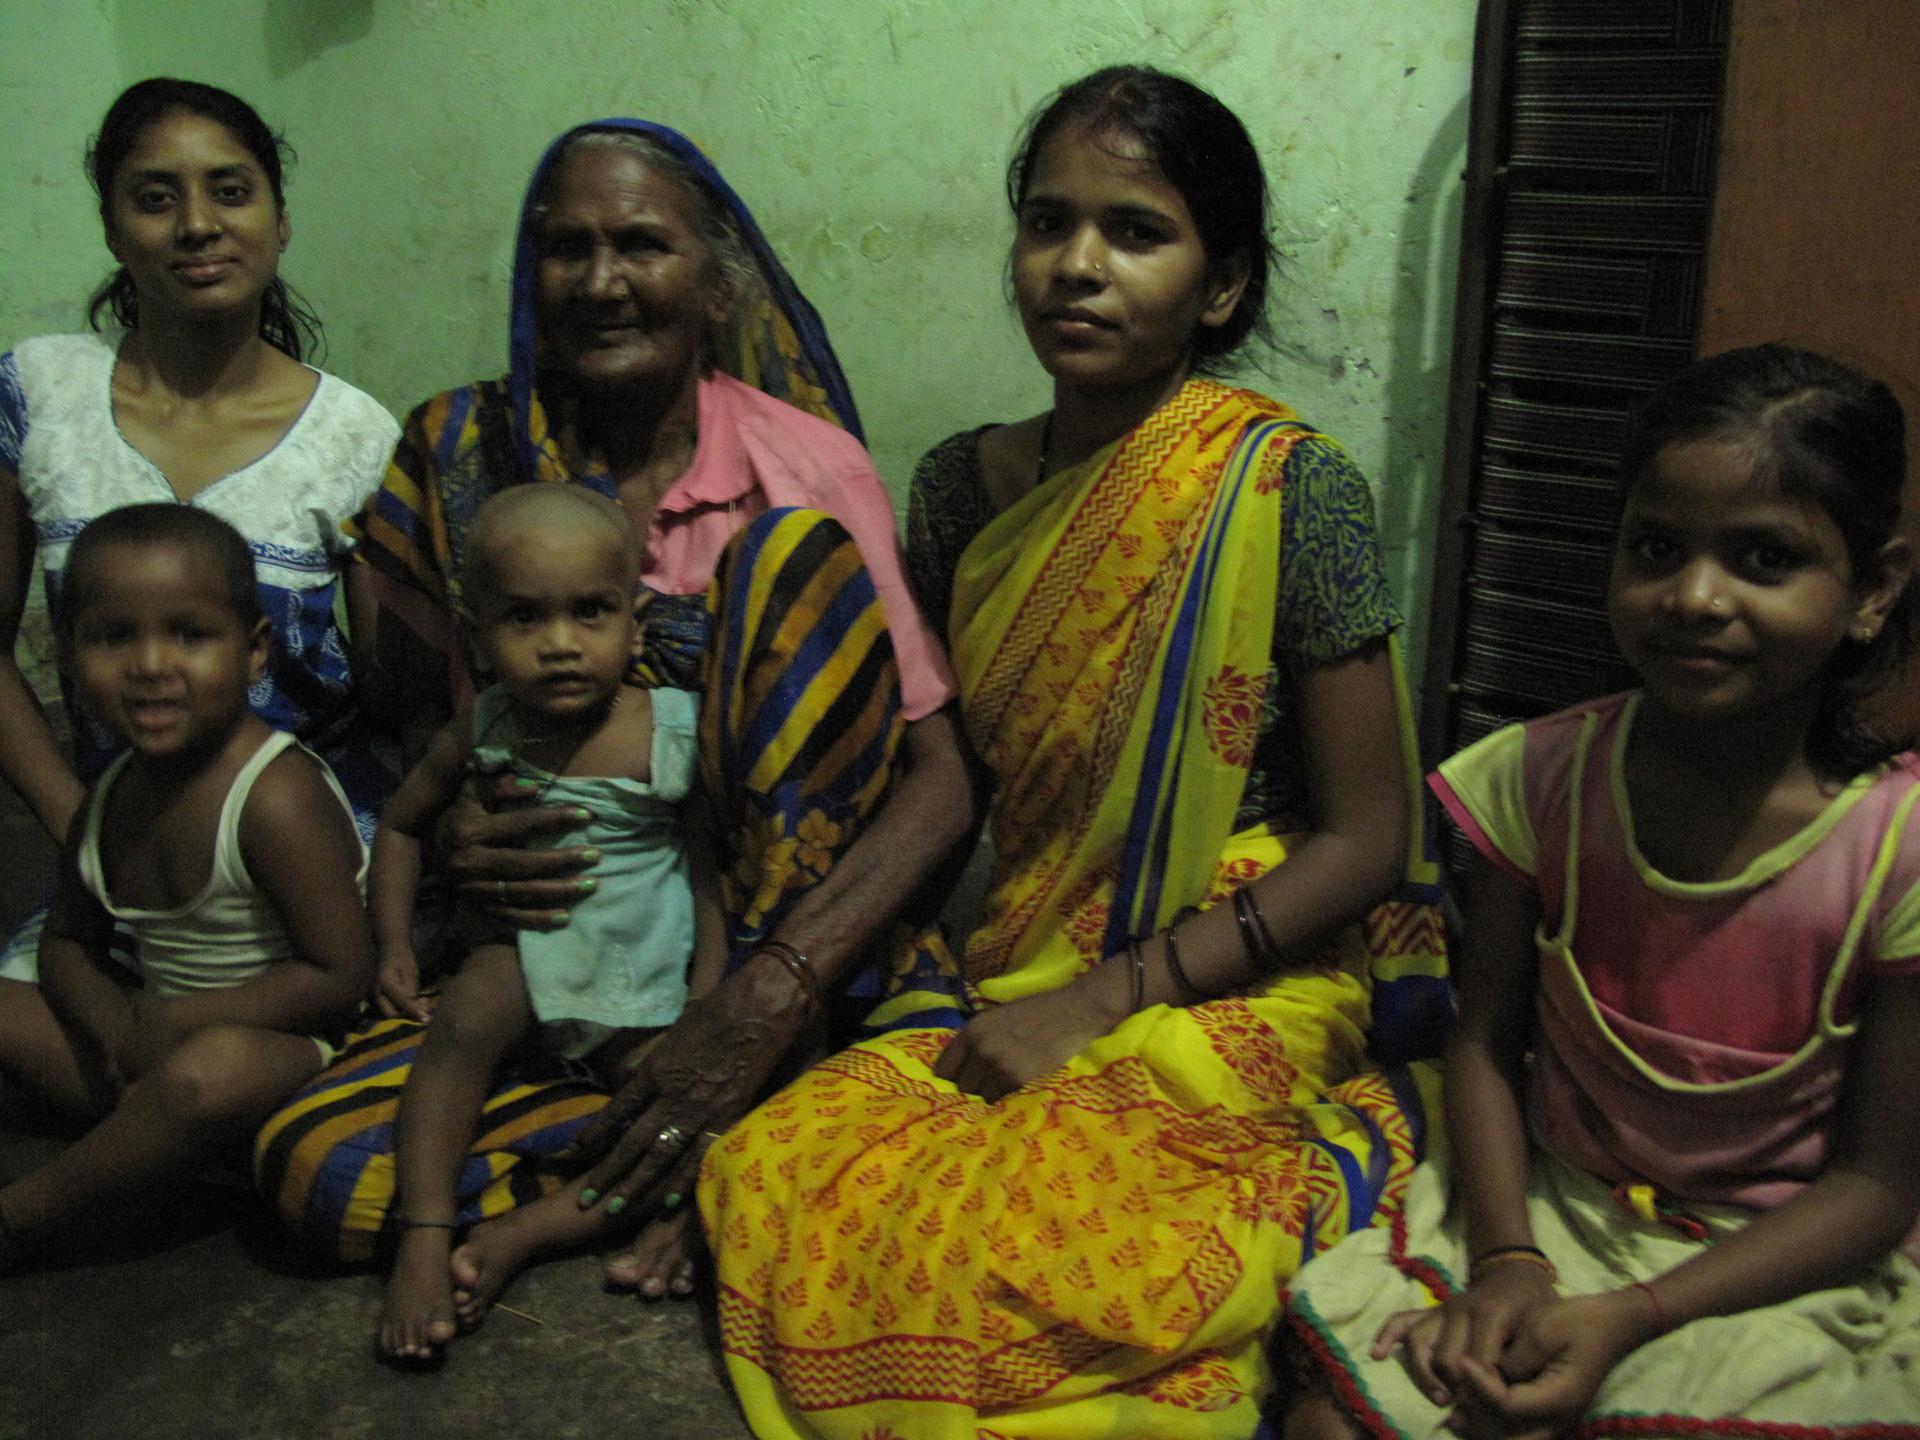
(557, 622)
(158, 654)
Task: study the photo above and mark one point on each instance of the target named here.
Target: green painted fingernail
(589, 885)
(580, 812)
(672, 1202)
(592, 853)
(521, 783)
(587, 1197)
(616, 1205)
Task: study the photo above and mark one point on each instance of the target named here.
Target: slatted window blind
(1589, 191)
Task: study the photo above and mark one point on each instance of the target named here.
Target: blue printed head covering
(778, 343)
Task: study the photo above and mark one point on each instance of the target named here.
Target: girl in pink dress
(1686, 1163)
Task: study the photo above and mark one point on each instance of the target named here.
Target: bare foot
(494, 1253)
(416, 1319)
(501, 1248)
(662, 1259)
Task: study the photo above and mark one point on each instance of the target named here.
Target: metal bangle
(1182, 981)
(1260, 919)
(1254, 938)
(1137, 978)
(799, 967)
(1523, 1253)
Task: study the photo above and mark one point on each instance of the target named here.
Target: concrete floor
(206, 1327)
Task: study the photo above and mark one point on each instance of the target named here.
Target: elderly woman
(661, 355)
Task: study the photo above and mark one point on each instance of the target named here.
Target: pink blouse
(756, 453)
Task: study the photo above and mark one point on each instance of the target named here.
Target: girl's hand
(1552, 1368)
(1477, 1324)
(397, 992)
(1006, 1046)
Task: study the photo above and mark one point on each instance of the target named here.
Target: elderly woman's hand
(708, 1069)
(484, 835)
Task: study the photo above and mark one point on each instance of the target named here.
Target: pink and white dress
(1689, 1040)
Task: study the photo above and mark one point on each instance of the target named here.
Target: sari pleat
(1100, 1252)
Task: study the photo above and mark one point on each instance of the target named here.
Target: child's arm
(302, 852)
(95, 1010)
(709, 915)
(393, 880)
(1495, 974)
(1862, 1206)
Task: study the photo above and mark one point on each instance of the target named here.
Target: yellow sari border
(1121, 624)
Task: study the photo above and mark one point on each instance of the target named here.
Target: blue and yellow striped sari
(801, 728)
(800, 731)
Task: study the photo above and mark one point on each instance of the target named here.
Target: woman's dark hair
(1204, 152)
(1825, 435)
(286, 321)
(186, 527)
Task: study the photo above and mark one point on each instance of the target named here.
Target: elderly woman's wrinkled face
(627, 291)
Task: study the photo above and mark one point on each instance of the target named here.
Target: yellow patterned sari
(1099, 1253)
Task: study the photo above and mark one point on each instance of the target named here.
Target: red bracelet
(1659, 1310)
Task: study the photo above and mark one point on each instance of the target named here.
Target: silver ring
(499, 892)
(672, 1137)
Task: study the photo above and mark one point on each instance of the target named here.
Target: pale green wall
(58, 72)
(868, 135)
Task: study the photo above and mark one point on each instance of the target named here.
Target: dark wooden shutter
(1589, 191)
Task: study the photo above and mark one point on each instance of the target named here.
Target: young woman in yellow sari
(1188, 1071)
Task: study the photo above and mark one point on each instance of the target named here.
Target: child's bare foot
(417, 1318)
(504, 1246)
(662, 1259)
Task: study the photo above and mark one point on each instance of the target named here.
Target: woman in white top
(197, 395)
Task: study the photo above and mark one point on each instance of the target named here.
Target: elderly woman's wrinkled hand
(484, 836)
(708, 1069)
